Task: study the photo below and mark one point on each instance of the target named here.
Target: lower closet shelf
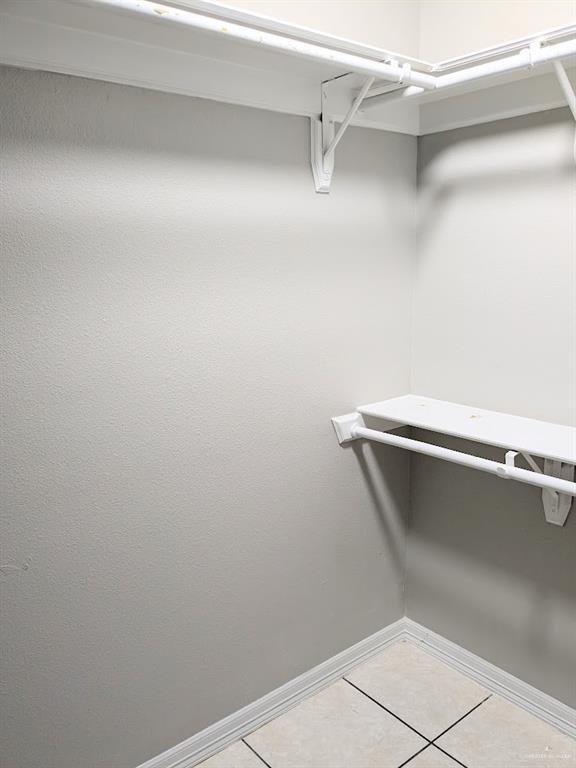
(555, 443)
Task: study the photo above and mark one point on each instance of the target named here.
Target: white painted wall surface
(451, 28)
(389, 24)
(183, 533)
(495, 327)
(495, 284)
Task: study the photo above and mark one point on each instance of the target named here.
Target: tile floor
(402, 708)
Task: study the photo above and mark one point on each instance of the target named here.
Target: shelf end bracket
(343, 426)
(324, 138)
(321, 134)
(556, 505)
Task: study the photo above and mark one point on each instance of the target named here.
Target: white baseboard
(218, 736)
(540, 704)
(249, 718)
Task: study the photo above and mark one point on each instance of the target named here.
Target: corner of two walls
(494, 325)
(185, 317)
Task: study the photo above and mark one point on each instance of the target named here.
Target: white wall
(454, 27)
(495, 284)
(495, 327)
(183, 533)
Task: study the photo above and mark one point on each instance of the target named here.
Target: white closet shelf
(540, 438)
(207, 49)
(554, 443)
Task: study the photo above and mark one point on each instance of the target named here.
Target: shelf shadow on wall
(490, 157)
(488, 572)
(386, 474)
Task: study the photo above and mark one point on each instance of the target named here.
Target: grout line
(414, 755)
(256, 753)
(389, 711)
(450, 756)
(431, 742)
(460, 720)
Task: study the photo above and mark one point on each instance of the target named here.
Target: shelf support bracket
(556, 505)
(566, 86)
(324, 138)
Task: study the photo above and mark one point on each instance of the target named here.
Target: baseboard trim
(218, 736)
(540, 704)
(225, 732)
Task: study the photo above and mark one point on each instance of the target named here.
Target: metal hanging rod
(545, 37)
(503, 470)
(527, 58)
(555, 479)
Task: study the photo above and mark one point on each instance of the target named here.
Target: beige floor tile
(337, 728)
(432, 758)
(236, 756)
(424, 692)
(501, 735)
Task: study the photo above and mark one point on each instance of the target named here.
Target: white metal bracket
(556, 505)
(323, 137)
(567, 87)
(322, 133)
(343, 426)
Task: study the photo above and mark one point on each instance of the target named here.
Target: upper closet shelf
(527, 438)
(207, 49)
(540, 438)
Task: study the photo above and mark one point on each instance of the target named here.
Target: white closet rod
(349, 63)
(527, 58)
(504, 471)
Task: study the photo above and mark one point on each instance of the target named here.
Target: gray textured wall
(183, 533)
(495, 326)
(495, 278)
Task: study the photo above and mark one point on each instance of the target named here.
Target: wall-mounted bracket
(343, 426)
(324, 138)
(556, 505)
(322, 133)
